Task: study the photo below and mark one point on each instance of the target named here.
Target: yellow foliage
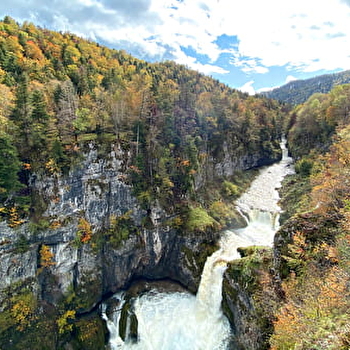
(52, 166)
(84, 230)
(55, 224)
(185, 163)
(46, 256)
(14, 219)
(311, 306)
(64, 322)
(23, 310)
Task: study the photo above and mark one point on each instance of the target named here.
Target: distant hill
(298, 91)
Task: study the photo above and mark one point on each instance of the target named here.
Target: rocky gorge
(96, 191)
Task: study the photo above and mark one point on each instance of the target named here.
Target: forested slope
(111, 168)
(298, 91)
(59, 91)
(157, 151)
(312, 247)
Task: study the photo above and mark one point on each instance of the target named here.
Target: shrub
(199, 220)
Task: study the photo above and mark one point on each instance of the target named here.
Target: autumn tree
(67, 103)
(46, 256)
(84, 233)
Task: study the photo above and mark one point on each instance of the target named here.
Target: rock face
(230, 160)
(250, 294)
(95, 191)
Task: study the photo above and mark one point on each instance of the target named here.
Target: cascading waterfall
(171, 321)
(115, 341)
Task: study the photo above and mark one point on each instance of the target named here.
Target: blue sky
(248, 44)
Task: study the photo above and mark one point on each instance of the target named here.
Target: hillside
(111, 169)
(312, 246)
(298, 91)
(60, 91)
(115, 170)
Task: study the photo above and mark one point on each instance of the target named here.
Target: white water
(171, 321)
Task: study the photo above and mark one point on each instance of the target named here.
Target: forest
(298, 91)
(315, 255)
(60, 93)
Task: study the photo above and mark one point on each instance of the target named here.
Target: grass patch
(198, 220)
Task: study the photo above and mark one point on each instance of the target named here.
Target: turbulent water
(171, 321)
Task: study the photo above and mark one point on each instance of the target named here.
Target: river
(180, 320)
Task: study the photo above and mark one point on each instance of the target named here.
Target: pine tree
(9, 167)
(21, 116)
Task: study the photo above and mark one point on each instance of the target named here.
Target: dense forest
(182, 140)
(298, 91)
(313, 244)
(59, 92)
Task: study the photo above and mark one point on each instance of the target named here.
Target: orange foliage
(185, 162)
(309, 305)
(46, 256)
(14, 219)
(84, 231)
(33, 51)
(135, 169)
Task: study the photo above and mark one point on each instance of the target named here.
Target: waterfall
(113, 324)
(171, 321)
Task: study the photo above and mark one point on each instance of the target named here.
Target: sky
(252, 45)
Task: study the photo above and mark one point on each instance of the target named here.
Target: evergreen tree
(21, 116)
(9, 167)
(39, 123)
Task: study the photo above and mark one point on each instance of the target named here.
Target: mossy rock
(90, 333)
(251, 250)
(248, 296)
(128, 316)
(195, 260)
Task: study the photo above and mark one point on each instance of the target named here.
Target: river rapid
(179, 320)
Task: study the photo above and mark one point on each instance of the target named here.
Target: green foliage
(304, 167)
(313, 124)
(91, 333)
(42, 225)
(59, 160)
(222, 212)
(198, 220)
(230, 189)
(84, 120)
(171, 120)
(19, 309)
(297, 92)
(121, 228)
(22, 244)
(9, 167)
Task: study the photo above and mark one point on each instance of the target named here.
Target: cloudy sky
(248, 44)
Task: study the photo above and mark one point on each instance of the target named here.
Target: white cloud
(290, 78)
(248, 87)
(302, 35)
(284, 33)
(250, 65)
(191, 62)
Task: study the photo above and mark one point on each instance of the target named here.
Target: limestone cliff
(83, 272)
